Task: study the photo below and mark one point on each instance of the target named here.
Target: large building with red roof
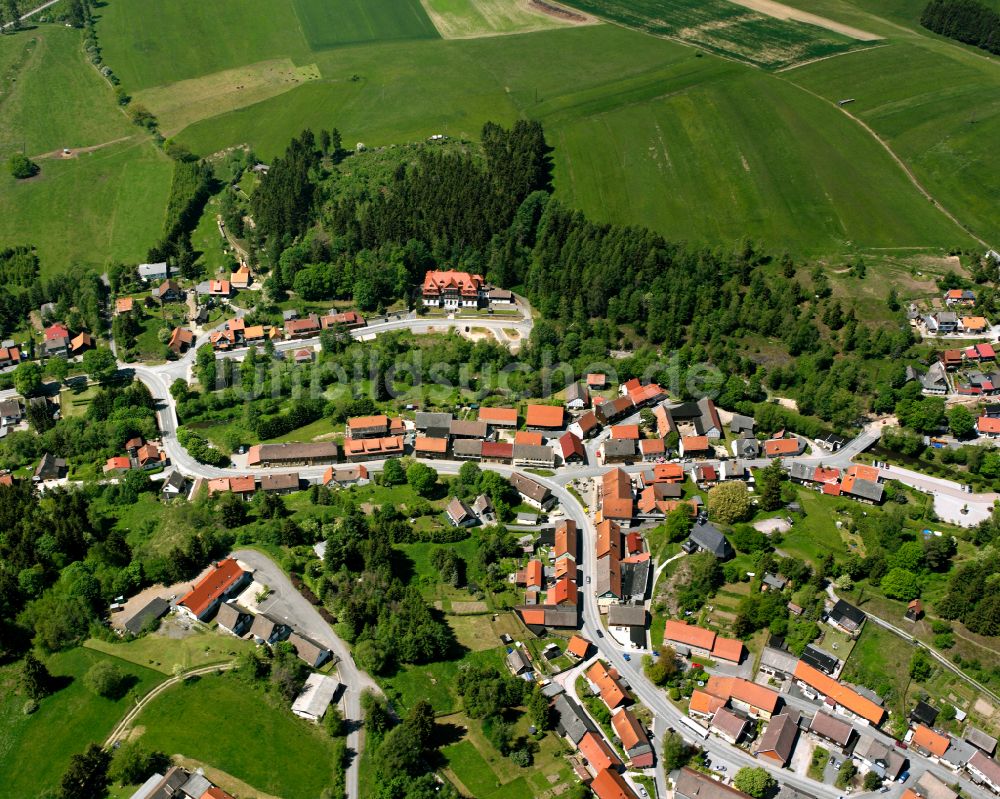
(204, 598)
(446, 288)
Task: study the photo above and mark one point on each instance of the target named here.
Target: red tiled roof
(597, 753)
(498, 415)
(565, 542)
(609, 539)
(578, 645)
(862, 472)
(744, 691)
(840, 694)
(705, 703)
(533, 574)
(626, 432)
(728, 649)
(545, 416)
(927, 739)
(610, 784)
(120, 462)
(428, 444)
(988, 424)
(628, 729)
(689, 635)
(564, 592)
(569, 445)
(652, 446)
(694, 444)
(616, 495)
(781, 446)
(532, 615)
(497, 449)
(527, 437)
(439, 280)
(607, 683)
(212, 586)
(595, 379)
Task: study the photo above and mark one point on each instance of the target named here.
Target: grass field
(334, 23)
(185, 720)
(157, 652)
(467, 19)
(91, 210)
(725, 28)
(55, 99)
(35, 749)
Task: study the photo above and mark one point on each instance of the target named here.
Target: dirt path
(771, 8)
(892, 154)
(75, 151)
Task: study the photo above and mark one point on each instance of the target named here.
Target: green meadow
(333, 23)
(35, 749)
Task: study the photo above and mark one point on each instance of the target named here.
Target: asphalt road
(290, 606)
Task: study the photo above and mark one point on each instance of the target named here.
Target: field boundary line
(892, 153)
(790, 67)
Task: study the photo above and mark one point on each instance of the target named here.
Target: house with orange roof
(451, 289)
(375, 426)
(150, 456)
(242, 278)
(427, 447)
(578, 647)
(988, 426)
(694, 446)
(616, 496)
(597, 753)
(225, 579)
(652, 448)
(499, 417)
(851, 702)
(531, 438)
(564, 592)
(929, 743)
(566, 539)
(646, 395)
(633, 738)
(80, 342)
(9, 357)
(727, 649)
(362, 449)
(704, 704)
(117, 465)
(959, 297)
(749, 697)
(605, 682)
(625, 432)
(609, 784)
(783, 447)
(124, 305)
(699, 639)
(545, 417)
(180, 340)
(609, 540)
(973, 324)
(530, 576)
(596, 380)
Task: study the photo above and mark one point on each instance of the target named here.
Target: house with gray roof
(706, 537)
(571, 720)
(433, 425)
(981, 740)
(741, 424)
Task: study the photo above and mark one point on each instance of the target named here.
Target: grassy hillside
(50, 97)
(333, 23)
(644, 132)
(91, 210)
(35, 749)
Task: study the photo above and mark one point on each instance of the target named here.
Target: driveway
(290, 606)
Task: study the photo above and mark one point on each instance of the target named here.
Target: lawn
(160, 653)
(57, 100)
(815, 534)
(435, 681)
(92, 210)
(334, 23)
(64, 724)
(725, 28)
(185, 720)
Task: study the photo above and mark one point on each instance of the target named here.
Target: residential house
(80, 342)
(618, 451)
(284, 483)
(929, 786)
(518, 662)
(924, 713)
(914, 610)
(50, 468)
(652, 449)
(241, 278)
(820, 660)
(292, 454)
(749, 698)
(740, 424)
(729, 726)
(176, 485)
(309, 651)
(232, 619)
(941, 322)
(778, 740)
(539, 456)
(706, 537)
(505, 418)
(545, 417)
(497, 452)
(117, 465)
(747, 447)
(851, 702)
(777, 662)
(784, 447)
(596, 752)
(577, 396)
(605, 681)
(466, 449)
(880, 757)
(629, 621)
(831, 729)
(10, 356)
(303, 328)
(617, 502)
(266, 630)
(578, 647)
(928, 742)
(180, 341)
(694, 446)
(153, 272)
(349, 320)
(612, 410)
(224, 579)
(434, 425)
(608, 581)
(215, 288)
(961, 297)
(564, 592)
(10, 412)
(609, 784)
(633, 738)
(317, 694)
(571, 448)
(460, 514)
(704, 705)
(597, 381)
(346, 476)
(847, 618)
(935, 381)
(572, 722)
(167, 291)
(985, 771)
(359, 449)
(530, 491)
(430, 447)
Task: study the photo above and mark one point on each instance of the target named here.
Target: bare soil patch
(781, 11)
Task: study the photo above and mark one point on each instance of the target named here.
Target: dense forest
(967, 21)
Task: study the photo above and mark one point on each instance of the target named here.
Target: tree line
(967, 21)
